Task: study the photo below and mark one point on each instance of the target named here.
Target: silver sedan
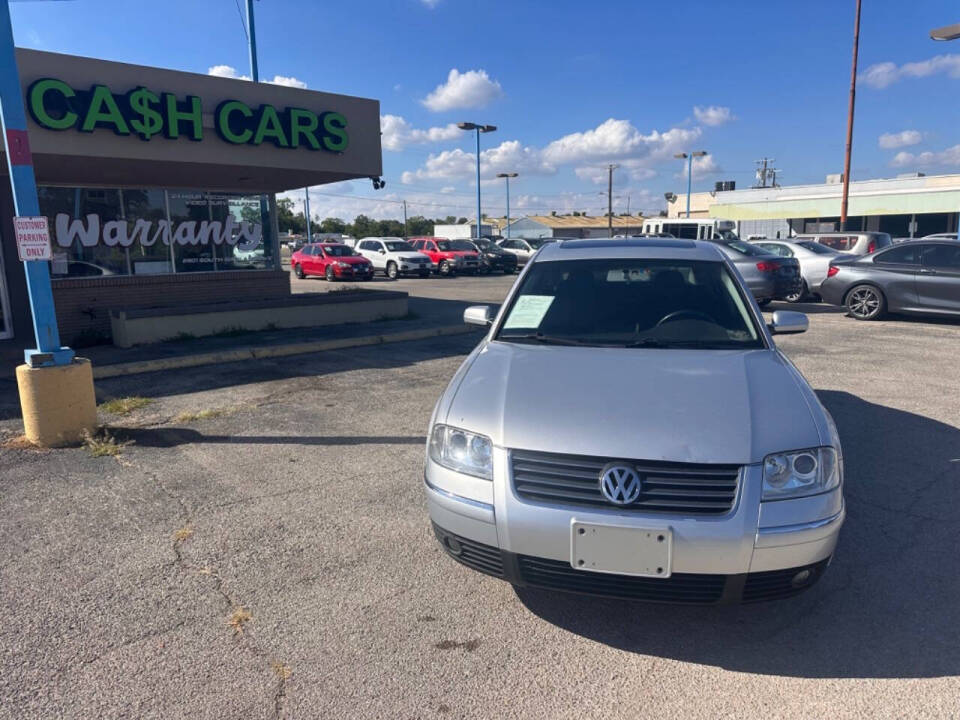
(628, 428)
(814, 262)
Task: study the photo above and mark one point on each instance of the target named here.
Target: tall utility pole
(853, 95)
(306, 212)
(610, 169)
(252, 37)
(507, 176)
(405, 234)
(479, 129)
(689, 158)
(950, 32)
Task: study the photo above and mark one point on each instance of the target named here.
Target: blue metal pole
(689, 181)
(254, 71)
(13, 120)
(478, 182)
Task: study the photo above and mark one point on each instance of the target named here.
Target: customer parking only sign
(33, 238)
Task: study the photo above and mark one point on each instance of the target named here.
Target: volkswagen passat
(628, 428)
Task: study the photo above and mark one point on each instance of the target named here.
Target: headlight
(462, 451)
(800, 472)
(341, 263)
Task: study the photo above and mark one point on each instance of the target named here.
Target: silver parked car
(814, 261)
(628, 428)
(854, 243)
(524, 248)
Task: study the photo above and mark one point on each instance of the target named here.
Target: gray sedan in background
(916, 277)
(768, 275)
(814, 260)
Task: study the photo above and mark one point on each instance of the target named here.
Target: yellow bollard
(58, 403)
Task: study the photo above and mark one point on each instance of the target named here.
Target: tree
(287, 220)
(462, 221)
(333, 225)
(419, 225)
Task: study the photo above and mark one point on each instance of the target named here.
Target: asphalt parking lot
(291, 488)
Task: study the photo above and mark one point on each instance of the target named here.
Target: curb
(269, 351)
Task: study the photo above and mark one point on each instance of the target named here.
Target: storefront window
(98, 232)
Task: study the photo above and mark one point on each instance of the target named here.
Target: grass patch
(18, 442)
(125, 405)
(103, 444)
(238, 619)
(180, 337)
(281, 670)
(182, 534)
(193, 415)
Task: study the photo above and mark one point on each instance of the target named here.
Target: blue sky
(571, 86)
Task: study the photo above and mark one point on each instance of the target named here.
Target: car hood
(408, 255)
(352, 260)
(707, 406)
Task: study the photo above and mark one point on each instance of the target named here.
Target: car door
(307, 260)
(373, 251)
(938, 279)
(895, 271)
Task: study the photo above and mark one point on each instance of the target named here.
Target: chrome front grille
(679, 488)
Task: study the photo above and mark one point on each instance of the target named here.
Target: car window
(946, 257)
(631, 303)
(338, 251)
(431, 246)
(903, 255)
(745, 248)
(461, 246)
(775, 248)
(815, 247)
(77, 269)
(399, 246)
(838, 242)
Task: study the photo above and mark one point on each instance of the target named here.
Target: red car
(449, 256)
(332, 260)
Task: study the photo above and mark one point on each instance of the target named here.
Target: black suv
(493, 257)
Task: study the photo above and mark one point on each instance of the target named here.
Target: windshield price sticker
(528, 311)
(33, 238)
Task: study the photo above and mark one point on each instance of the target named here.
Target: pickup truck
(449, 256)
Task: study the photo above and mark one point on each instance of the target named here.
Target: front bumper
(345, 273)
(754, 552)
(831, 291)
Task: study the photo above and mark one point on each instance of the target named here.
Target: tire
(799, 296)
(763, 303)
(392, 271)
(865, 302)
(445, 268)
(329, 274)
(298, 271)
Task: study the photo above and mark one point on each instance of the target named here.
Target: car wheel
(392, 270)
(763, 303)
(865, 302)
(298, 271)
(329, 274)
(445, 268)
(798, 296)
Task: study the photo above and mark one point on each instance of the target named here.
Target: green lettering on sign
(193, 114)
(335, 126)
(38, 99)
(270, 128)
(303, 122)
(145, 120)
(104, 111)
(224, 122)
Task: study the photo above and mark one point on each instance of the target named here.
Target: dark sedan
(494, 258)
(917, 277)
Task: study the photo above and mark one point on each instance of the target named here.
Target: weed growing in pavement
(182, 534)
(190, 416)
(125, 405)
(238, 619)
(19, 442)
(103, 444)
(180, 337)
(281, 671)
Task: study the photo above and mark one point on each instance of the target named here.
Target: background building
(580, 226)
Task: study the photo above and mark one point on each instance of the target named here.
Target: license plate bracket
(620, 549)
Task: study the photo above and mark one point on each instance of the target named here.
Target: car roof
(653, 248)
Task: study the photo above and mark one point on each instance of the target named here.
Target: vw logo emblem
(620, 484)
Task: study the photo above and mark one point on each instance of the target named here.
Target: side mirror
(382, 251)
(478, 315)
(787, 322)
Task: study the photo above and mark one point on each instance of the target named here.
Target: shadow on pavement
(887, 606)
(172, 437)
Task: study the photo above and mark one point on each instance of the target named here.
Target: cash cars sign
(55, 105)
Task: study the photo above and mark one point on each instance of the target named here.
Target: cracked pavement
(306, 510)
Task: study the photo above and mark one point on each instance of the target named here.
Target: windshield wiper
(646, 342)
(546, 339)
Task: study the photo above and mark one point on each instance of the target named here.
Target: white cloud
(228, 71)
(702, 166)
(713, 115)
(615, 139)
(948, 157)
(430, 3)
(905, 138)
(397, 133)
(885, 74)
(509, 156)
(472, 89)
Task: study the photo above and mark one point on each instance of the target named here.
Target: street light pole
(252, 37)
(306, 211)
(950, 32)
(479, 129)
(849, 145)
(610, 169)
(689, 158)
(507, 177)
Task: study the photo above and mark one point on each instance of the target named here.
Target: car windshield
(728, 235)
(631, 303)
(816, 247)
(398, 246)
(486, 245)
(745, 248)
(338, 251)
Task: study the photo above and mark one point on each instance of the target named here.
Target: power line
(244, 24)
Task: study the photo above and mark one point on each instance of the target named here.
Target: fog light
(800, 578)
(452, 545)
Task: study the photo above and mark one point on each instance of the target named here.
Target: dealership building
(911, 205)
(159, 187)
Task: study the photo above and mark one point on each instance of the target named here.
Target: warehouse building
(912, 205)
(578, 226)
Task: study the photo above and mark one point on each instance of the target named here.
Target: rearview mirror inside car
(787, 322)
(478, 315)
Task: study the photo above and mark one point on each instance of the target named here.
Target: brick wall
(84, 304)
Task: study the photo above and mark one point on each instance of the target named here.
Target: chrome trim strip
(457, 498)
(800, 533)
(800, 527)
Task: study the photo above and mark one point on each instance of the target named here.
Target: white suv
(394, 256)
